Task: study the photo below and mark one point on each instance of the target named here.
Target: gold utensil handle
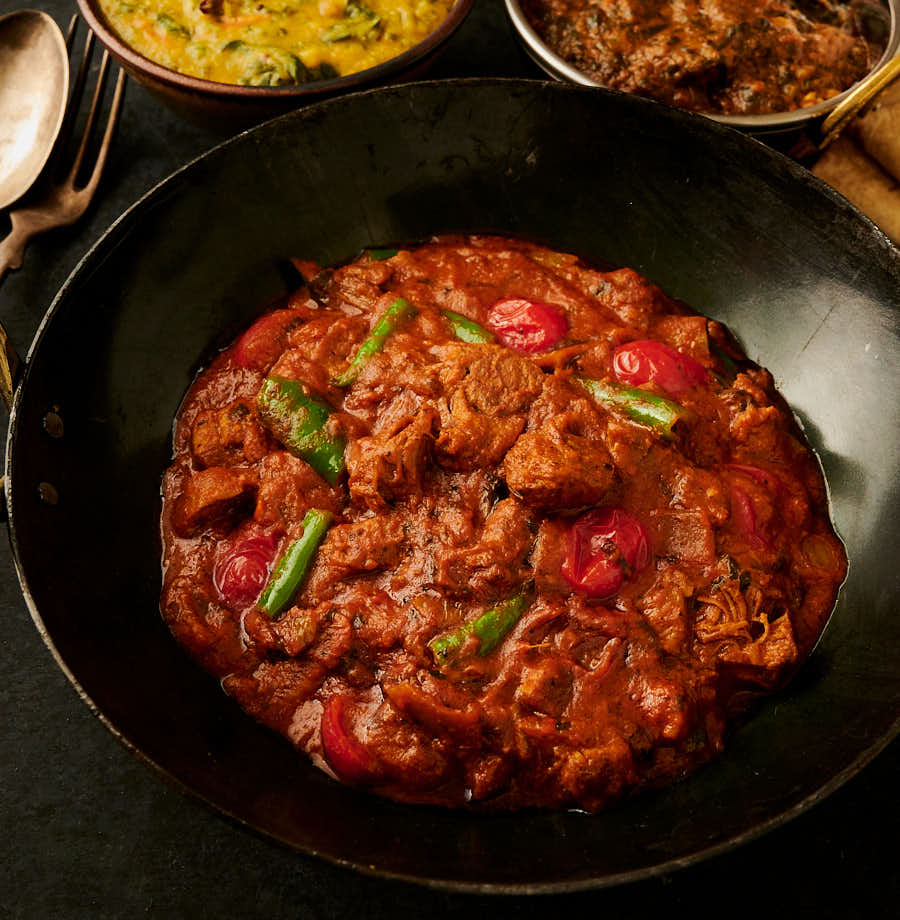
(12, 248)
(843, 113)
(10, 366)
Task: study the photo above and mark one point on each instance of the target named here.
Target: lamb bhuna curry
(475, 523)
(273, 42)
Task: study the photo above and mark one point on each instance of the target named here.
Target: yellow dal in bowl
(274, 42)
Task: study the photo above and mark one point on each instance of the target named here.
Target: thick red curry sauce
(552, 529)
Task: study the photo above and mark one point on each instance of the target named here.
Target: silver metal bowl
(808, 120)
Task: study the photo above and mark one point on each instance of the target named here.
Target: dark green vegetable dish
(473, 522)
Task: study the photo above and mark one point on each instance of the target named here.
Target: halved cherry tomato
(527, 326)
(604, 547)
(752, 490)
(258, 348)
(346, 754)
(744, 516)
(766, 479)
(241, 572)
(648, 361)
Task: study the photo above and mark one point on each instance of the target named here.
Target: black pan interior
(809, 286)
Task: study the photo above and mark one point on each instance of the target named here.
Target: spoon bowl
(34, 85)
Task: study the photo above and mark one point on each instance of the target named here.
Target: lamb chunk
(382, 469)
(547, 558)
(546, 686)
(406, 754)
(491, 566)
(487, 774)
(275, 689)
(391, 387)
(563, 399)
(595, 775)
(378, 625)
(629, 444)
(686, 334)
(358, 548)
(202, 625)
(686, 536)
(292, 633)
(364, 546)
(329, 340)
(490, 392)
(392, 371)
(555, 469)
(359, 284)
(660, 697)
(294, 364)
(214, 498)
(665, 608)
(398, 412)
(500, 383)
(288, 488)
(228, 437)
(631, 297)
(469, 440)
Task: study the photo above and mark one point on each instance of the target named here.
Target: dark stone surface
(86, 830)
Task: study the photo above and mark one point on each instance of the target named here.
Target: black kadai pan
(808, 285)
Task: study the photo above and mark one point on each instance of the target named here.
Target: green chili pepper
(171, 26)
(489, 628)
(298, 421)
(644, 407)
(292, 567)
(358, 22)
(398, 311)
(379, 255)
(467, 330)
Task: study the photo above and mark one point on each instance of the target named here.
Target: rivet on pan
(47, 494)
(53, 423)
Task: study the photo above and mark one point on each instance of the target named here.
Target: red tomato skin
(346, 755)
(766, 479)
(241, 573)
(744, 516)
(259, 347)
(527, 327)
(744, 510)
(604, 546)
(647, 361)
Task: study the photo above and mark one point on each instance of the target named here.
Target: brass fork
(61, 202)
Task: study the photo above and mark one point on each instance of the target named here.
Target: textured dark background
(88, 831)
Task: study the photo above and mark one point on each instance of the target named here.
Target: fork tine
(73, 105)
(108, 133)
(91, 119)
(78, 89)
(70, 33)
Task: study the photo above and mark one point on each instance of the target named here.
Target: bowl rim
(145, 67)
(558, 68)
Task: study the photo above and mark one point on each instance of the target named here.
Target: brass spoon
(34, 84)
(841, 115)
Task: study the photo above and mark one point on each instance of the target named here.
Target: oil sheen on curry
(475, 523)
(273, 42)
(728, 57)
